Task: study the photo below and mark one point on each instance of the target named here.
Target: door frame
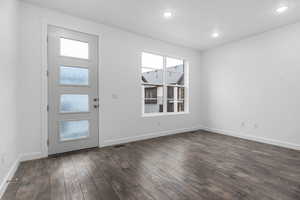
(85, 27)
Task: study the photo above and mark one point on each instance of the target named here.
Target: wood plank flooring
(196, 166)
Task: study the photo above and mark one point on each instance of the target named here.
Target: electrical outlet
(255, 126)
(114, 96)
(243, 124)
(3, 159)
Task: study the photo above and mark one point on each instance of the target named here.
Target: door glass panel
(74, 48)
(175, 71)
(72, 130)
(74, 103)
(74, 76)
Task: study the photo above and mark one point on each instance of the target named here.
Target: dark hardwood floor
(196, 166)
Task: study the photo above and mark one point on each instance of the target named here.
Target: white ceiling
(193, 21)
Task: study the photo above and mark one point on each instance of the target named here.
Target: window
(163, 84)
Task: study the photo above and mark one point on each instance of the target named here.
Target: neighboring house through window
(163, 84)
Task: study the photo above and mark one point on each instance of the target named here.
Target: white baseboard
(146, 136)
(9, 176)
(32, 156)
(253, 138)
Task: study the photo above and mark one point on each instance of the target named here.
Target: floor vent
(15, 180)
(119, 146)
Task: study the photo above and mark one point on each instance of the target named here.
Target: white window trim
(186, 86)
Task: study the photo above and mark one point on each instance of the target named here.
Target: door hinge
(48, 142)
(48, 108)
(47, 73)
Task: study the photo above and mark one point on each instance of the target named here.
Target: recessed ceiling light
(168, 14)
(215, 35)
(282, 9)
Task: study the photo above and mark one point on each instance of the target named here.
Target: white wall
(8, 64)
(256, 82)
(120, 119)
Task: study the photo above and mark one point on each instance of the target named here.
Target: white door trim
(44, 80)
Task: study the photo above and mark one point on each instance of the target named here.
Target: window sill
(163, 114)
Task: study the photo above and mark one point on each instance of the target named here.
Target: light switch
(115, 96)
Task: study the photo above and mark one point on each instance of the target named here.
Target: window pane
(73, 48)
(74, 103)
(171, 99)
(180, 93)
(152, 61)
(70, 130)
(152, 68)
(180, 99)
(175, 71)
(175, 101)
(180, 106)
(153, 102)
(74, 76)
(152, 76)
(170, 106)
(170, 92)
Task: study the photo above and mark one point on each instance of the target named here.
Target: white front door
(72, 90)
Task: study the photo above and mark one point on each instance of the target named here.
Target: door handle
(96, 105)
